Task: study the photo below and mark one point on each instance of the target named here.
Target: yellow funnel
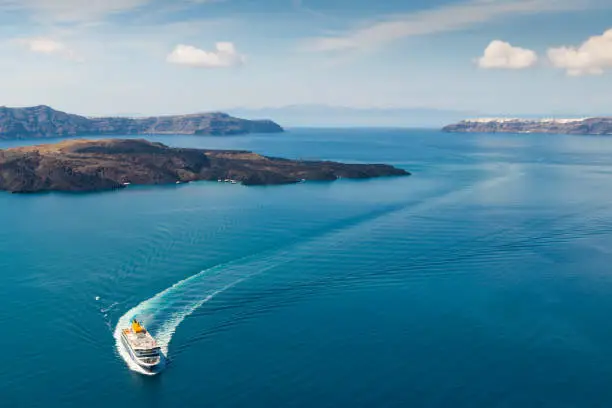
(137, 327)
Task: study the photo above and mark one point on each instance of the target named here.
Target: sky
(150, 57)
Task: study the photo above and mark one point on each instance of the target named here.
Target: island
(93, 165)
(585, 126)
(45, 122)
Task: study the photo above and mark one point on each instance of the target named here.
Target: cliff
(587, 126)
(45, 122)
(91, 165)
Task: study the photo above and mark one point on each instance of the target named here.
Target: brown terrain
(92, 165)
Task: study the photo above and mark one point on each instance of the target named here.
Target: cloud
(71, 10)
(593, 57)
(224, 56)
(49, 47)
(502, 55)
(443, 19)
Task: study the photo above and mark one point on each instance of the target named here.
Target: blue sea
(483, 280)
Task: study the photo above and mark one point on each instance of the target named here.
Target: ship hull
(147, 367)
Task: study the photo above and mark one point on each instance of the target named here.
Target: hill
(45, 122)
(586, 126)
(92, 165)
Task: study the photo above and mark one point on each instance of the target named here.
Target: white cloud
(502, 55)
(593, 57)
(71, 10)
(443, 19)
(224, 56)
(48, 46)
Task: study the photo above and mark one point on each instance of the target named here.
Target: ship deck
(140, 341)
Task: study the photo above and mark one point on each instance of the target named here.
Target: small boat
(233, 181)
(142, 346)
(127, 183)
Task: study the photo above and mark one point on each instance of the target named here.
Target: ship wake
(163, 313)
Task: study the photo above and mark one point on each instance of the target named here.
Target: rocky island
(92, 165)
(586, 126)
(45, 122)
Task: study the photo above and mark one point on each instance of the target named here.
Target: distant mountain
(584, 126)
(337, 116)
(44, 122)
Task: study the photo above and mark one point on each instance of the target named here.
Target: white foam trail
(108, 309)
(165, 311)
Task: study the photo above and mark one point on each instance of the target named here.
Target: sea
(482, 280)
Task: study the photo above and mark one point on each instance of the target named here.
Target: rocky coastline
(586, 126)
(79, 165)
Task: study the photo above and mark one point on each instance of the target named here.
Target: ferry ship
(142, 346)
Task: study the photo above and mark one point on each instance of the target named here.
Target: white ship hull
(148, 366)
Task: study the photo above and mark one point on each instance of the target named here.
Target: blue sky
(98, 57)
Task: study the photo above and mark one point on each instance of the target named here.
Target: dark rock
(91, 165)
(43, 122)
